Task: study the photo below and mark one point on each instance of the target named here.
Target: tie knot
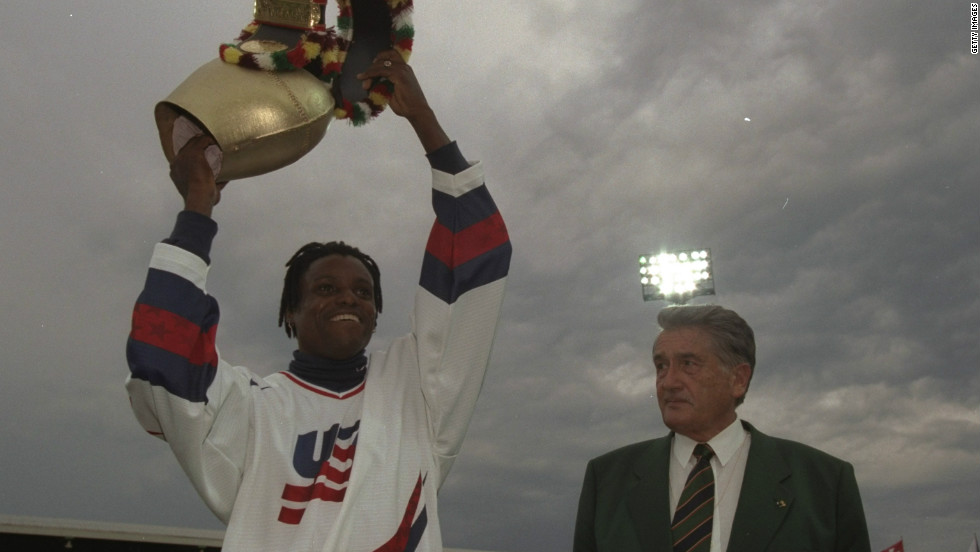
(703, 452)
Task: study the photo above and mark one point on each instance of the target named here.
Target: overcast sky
(826, 153)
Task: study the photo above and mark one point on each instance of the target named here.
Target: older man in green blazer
(755, 493)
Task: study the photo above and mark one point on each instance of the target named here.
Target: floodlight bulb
(677, 275)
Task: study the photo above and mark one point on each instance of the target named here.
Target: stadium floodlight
(676, 276)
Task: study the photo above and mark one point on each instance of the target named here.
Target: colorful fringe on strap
(323, 53)
(402, 37)
(316, 52)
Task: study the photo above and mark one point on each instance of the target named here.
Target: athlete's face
(336, 315)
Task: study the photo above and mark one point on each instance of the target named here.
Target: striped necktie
(691, 528)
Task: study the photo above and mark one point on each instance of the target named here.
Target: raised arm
(464, 270)
(179, 388)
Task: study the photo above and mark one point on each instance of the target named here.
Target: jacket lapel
(763, 501)
(648, 501)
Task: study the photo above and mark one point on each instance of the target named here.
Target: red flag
(897, 547)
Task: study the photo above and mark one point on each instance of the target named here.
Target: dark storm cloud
(824, 152)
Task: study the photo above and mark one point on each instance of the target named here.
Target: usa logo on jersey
(329, 469)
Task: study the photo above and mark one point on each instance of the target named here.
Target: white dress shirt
(731, 448)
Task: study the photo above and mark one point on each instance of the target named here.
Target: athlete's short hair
(300, 262)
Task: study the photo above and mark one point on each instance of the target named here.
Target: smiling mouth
(345, 318)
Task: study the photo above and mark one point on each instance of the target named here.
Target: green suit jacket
(793, 498)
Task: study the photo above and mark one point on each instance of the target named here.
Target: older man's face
(696, 392)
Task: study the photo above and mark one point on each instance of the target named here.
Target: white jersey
(292, 466)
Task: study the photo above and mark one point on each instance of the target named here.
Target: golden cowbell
(262, 120)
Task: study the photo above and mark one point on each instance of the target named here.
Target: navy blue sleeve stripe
(170, 371)
(170, 292)
(458, 213)
(448, 285)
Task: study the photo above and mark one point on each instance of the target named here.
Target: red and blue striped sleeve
(179, 389)
(171, 343)
(468, 245)
(172, 340)
(464, 273)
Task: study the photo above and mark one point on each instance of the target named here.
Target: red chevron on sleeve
(175, 334)
(398, 541)
(455, 249)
